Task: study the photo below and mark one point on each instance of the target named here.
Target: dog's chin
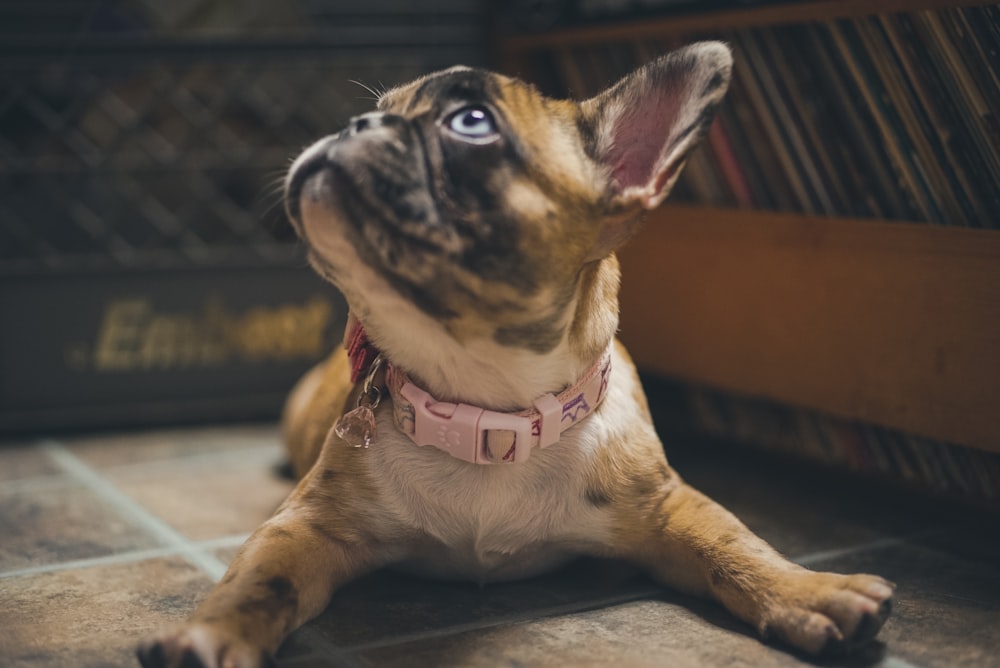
(372, 277)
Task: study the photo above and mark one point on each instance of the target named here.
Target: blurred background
(822, 282)
(147, 273)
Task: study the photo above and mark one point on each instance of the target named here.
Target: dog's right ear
(643, 128)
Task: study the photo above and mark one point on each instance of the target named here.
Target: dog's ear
(643, 127)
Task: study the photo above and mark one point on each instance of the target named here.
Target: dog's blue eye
(473, 122)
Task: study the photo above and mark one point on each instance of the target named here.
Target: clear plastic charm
(357, 427)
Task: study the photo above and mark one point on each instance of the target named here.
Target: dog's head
(470, 200)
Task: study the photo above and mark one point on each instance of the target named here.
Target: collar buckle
(462, 430)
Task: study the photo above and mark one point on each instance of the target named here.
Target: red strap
(360, 350)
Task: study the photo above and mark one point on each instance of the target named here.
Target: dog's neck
(493, 375)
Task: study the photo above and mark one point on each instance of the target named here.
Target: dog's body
(488, 523)
(471, 225)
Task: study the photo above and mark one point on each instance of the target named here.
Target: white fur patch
(501, 521)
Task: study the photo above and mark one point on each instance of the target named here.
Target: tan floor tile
(388, 604)
(22, 460)
(946, 612)
(51, 523)
(644, 634)
(208, 497)
(114, 449)
(95, 616)
(226, 554)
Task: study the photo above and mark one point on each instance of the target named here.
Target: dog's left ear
(643, 128)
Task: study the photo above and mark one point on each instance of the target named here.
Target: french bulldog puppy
(471, 224)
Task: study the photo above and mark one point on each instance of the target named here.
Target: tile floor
(104, 538)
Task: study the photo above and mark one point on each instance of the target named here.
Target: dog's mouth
(374, 189)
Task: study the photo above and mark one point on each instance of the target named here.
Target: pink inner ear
(640, 136)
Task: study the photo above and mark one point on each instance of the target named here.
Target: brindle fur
(487, 272)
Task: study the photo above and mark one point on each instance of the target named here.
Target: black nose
(364, 122)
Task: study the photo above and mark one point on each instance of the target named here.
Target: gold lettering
(255, 334)
(133, 337)
(214, 347)
(315, 320)
(119, 335)
(287, 332)
(168, 342)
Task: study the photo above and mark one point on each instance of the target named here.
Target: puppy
(471, 224)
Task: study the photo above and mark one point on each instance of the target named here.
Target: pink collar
(464, 431)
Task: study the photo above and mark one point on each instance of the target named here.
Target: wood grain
(892, 323)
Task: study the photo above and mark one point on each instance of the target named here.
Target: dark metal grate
(136, 148)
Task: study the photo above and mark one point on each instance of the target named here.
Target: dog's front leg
(282, 577)
(690, 542)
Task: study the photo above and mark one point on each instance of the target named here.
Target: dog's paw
(823, 613)
(200, 646)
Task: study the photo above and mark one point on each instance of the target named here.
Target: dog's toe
(198, 646)
(827, 613)
(151, 655)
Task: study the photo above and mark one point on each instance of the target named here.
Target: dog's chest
(488, 522)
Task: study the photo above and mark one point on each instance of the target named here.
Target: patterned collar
(467, 432)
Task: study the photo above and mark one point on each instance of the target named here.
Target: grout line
(503, 620)
(54, 480)
(109, 560)
(895, 662)
(824, 555)
(123, 557)
(345, 659)
(321, 649)
(244, 455)
(128, 507)
(330, 659)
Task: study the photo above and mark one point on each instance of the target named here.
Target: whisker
(367, 88)
(275, 205)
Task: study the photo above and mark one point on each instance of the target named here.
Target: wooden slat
(892, 323)
(714, 21)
